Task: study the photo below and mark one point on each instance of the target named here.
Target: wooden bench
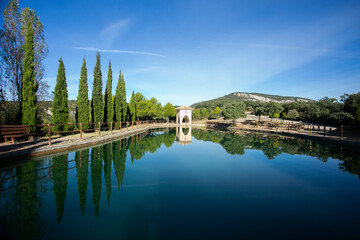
(15, 131)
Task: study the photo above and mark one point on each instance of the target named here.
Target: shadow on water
(22, 187)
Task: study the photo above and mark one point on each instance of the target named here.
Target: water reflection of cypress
(60, 172)
(96, 171)
(119, 158)
(274, 145)
(20, 206)
(107, 152)
(29, 202)
(82, 170)
(132, 146)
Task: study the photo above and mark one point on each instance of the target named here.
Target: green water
(160, 185)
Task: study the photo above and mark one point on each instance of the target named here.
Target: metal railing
(326, 131)
(49, 130)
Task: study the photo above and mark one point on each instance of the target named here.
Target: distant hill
(243, 96)
(45, 106)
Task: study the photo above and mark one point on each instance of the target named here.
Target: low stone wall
(349, 141)
(40, 147)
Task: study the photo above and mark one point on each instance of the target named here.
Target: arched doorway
(185, 120)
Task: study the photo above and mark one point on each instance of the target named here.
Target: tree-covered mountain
(243, 96)
(326, 110)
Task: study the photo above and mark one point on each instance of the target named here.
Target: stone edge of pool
(63, 147)
(348, 143)
(73, 145)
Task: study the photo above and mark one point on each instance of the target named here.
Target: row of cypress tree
(103, 108)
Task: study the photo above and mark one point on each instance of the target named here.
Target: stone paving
(352, 140)
(58, 143)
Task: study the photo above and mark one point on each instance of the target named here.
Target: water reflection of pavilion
(183, 135)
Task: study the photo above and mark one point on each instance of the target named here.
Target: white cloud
(115, 30)
(119, 51)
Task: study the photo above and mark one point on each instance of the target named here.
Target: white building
(183, 114)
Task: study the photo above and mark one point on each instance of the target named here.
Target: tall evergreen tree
(117, 101)
(29, 85)
(83, 98)
(97, 108)
(140, 103)
(12, 43)
(60, 104)
(109, 108)
(120, 100)
(132, 107)
(125, 108)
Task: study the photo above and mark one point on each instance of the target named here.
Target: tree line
(230, 111)
(326, 110)
(103, 107)
(22, 50)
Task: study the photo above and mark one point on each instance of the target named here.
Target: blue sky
(188, 51)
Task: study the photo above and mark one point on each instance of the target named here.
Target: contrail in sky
(120, 51)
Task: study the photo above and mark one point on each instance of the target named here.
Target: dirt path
(60, 143)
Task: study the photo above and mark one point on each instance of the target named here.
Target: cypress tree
(29, 85)
(109, 108)
(60, 104)
(83, 99)
(124, 105)
(97, 109)
(120, 100)
(117, 102)
(132, 107)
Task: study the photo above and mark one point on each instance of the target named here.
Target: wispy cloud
(115, 30)
(119, 51)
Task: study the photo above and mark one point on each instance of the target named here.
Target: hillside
(45, 112)
(243, 96)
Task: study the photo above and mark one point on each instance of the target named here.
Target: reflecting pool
(186, 184)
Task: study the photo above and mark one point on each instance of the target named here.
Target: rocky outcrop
(269, 98)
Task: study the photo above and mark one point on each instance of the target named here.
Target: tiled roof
(184, 108)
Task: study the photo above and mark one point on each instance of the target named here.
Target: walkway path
(348, 139)
(39, 147)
